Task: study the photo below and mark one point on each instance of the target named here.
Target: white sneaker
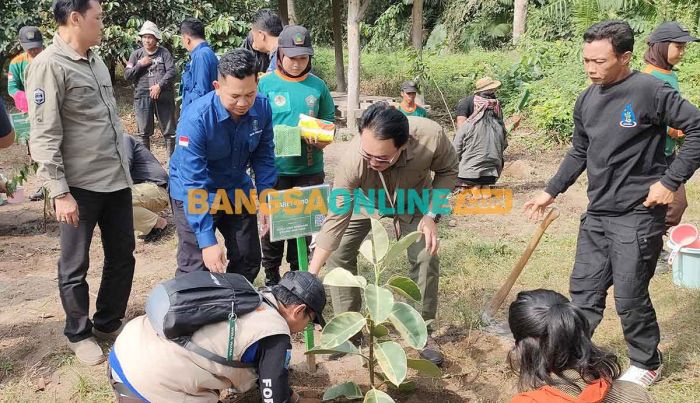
(642, 377)
(87, 351)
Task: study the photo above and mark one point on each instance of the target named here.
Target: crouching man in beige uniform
(147, 367)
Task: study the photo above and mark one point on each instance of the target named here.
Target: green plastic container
(686, 266)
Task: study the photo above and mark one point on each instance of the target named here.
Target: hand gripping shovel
(490, 325)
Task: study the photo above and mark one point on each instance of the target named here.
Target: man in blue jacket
(219, 135)
(200, 72)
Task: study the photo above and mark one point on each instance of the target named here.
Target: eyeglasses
(379, 160)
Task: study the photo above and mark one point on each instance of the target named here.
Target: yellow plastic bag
(316, 129)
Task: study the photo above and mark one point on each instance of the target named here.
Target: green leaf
(341, 328)
(401, 246)
(380, 331)
(348, 390)
(380, 302)
(380, 239)
(409, 324)
(408, 386)
(406, 287)
(377, 396)
(340, 277)
(367, 251)
(392, 360)
(425, 367)
(346, 347)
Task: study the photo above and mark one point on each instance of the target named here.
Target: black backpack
(179, 307)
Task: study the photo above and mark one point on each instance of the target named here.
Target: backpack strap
(189, 345)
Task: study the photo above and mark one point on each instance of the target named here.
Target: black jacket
(161, 71)
(619, 137)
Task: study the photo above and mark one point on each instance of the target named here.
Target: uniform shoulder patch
(39, 96)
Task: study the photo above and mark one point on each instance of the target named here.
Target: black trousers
(241, 239)
(621, 251)
(113, 213)
(163, 108)
(273, 251)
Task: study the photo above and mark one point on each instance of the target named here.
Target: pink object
(20, 98)
(682, 235)
(17, 196)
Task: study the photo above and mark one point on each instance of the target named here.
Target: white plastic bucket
(686, 266)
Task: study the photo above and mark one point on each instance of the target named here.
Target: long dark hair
(551, 336)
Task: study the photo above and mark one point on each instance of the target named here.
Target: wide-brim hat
(150, 28)
(486, 83)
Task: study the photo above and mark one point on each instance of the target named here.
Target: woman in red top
(555, 358)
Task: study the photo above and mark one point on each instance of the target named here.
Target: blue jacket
(199, 74)
(213, 152)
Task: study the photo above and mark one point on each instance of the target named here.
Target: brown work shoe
(87, 351)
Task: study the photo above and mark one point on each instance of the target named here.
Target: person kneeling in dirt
(147, 367)
(481, 138)
(555, 359)
(149, 195)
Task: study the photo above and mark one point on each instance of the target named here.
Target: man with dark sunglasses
(393, 155)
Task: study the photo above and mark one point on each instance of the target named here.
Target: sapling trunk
(370, 327)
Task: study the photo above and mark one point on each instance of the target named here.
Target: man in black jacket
(619, 135)
(152, 70)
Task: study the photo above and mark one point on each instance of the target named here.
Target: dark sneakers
(272, 277)
(155, 234)
(432, 352)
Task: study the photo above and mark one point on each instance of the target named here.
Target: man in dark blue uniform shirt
(200, 72)
(219, 136)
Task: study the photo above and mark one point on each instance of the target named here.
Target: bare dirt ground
(36, 365)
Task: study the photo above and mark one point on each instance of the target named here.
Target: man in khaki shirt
(392, 155)
(76, 138)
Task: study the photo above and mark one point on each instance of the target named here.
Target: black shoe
(38, 195)
(155, 234)
(272, 277)
(432, 352)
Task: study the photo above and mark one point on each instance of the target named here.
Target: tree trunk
(354, 16)
(282, 5)
(341, 86)
(417, 24)
(519, 19)
(291, 12)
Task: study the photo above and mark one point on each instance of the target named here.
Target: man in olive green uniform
(393, 154)
(76, 138)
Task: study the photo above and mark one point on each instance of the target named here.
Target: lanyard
(392, 201)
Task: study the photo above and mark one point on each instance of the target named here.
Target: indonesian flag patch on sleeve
(10, 76)
(183, 141)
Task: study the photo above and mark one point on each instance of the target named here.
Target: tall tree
(417, 24)
(356, 11)
(519, 19)
(282, 6)
(291, 12)
(337, 8)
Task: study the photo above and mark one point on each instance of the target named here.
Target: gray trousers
(621, 251)
(424, 269)
(164, 109)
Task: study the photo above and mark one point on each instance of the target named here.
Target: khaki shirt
(163, 371)
(428, 151)
(76, 134)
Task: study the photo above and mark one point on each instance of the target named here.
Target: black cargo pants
(621, 251)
